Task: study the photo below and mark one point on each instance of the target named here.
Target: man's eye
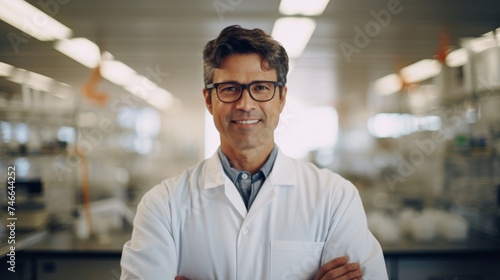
(261, 87)
(229, 89)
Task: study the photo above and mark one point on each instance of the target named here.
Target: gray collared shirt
(248, 185)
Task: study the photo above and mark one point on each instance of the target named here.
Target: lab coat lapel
(234, 196)
(215, 176)
(282, 175)
(265, 195)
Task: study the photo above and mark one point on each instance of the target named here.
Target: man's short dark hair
(237, 40)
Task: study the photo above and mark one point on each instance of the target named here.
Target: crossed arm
(336, 269)
(340, 269)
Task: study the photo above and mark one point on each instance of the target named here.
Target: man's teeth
(247, 122)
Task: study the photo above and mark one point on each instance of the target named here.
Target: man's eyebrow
(236, 82)
(230, 81)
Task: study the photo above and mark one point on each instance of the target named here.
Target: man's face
(245, 124)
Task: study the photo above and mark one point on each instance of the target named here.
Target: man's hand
(180, 278)
(339, 269)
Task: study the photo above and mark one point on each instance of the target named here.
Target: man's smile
(246, 121)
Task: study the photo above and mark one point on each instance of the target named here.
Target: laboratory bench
(476, 258)
(61, 255)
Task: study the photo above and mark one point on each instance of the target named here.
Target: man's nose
(246, 102)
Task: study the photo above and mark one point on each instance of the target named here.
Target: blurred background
(101, 100)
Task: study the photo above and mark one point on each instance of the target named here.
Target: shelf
(44, 117)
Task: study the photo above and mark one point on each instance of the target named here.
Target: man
(250, 212)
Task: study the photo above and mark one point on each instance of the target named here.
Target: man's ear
(208, 99)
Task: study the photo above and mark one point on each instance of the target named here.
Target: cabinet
(63, 267)
(82, 268)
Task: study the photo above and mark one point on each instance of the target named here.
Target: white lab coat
(196, 225)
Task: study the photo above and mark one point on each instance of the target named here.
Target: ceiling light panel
(117, 72)
(294, 34)
(5, 69)
(32, 21)
(457, 58)
(81, 50)
(388, 85)
(301, 7)
(420, 71)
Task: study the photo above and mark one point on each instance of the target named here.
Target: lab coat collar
(214, 173)
(282, 173)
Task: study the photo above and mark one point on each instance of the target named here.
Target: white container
(487, 70)
(423, 228)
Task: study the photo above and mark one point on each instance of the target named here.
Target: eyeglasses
(261, 91)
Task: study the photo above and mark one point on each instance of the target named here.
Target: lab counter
(472, 246)
(61, 255)
(20, 239)
(476, 258)
(67, 244)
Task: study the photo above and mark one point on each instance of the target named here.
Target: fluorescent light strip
(138, 83)
(388, 84)
(116, 72)
(457, 58)
(294, 34)
(31, 79)
(143, 88)
(32, 21)
(5, 69)
(160, 98)
(301, 7)
(40, 82)
(82, 50)
(18, 76)
(150, 92)
(420, 71)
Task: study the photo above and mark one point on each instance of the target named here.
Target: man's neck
(248, 160)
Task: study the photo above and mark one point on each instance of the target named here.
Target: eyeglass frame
(247, 87)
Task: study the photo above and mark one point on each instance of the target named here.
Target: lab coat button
(245, 231)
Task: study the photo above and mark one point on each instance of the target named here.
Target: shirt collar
(233, 173)
(284, 171)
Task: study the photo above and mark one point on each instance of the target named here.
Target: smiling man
(250, 212)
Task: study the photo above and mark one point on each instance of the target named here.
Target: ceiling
(169, 35)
